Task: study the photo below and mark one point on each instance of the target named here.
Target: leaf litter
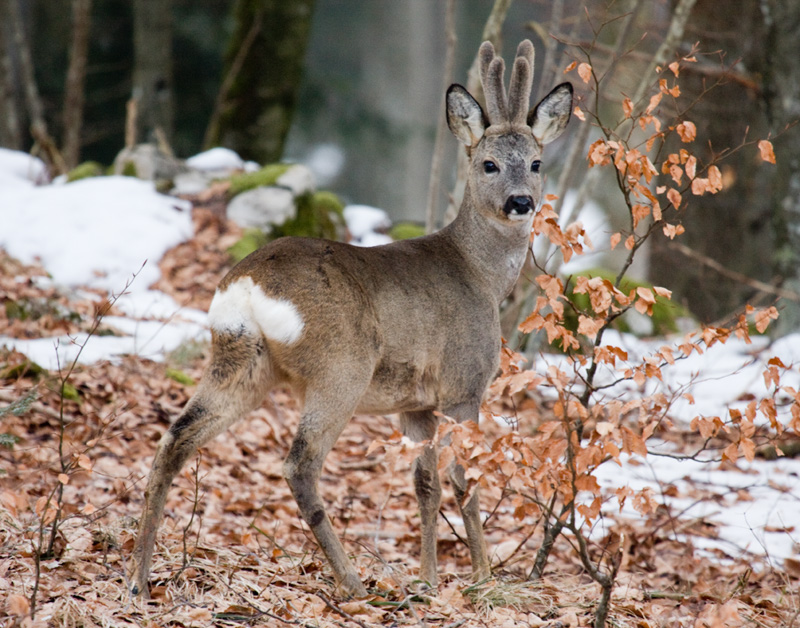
(233, 551)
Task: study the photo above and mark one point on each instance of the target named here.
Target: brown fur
(410, 327)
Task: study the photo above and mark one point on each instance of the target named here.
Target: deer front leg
(420, 426)
(471, 510)
(471, 513)
(315, 437)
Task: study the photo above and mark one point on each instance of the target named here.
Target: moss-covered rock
(406, 231)
(85, 170)
(268, 175)
(251, 240)
(319, 215)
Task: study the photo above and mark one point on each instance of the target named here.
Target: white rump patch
(243, 306)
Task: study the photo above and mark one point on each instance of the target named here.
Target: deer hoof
(351, 586)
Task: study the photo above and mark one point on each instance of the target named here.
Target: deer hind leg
(325, 415)
(234, 384)
(470, 510)
(420, 426)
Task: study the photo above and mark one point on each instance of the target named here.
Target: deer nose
(520, 205)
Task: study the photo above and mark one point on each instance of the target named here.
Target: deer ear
(465, 116)
(549, 118)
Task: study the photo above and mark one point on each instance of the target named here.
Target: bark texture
(263, 71)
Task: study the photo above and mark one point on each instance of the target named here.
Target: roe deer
(410, 327)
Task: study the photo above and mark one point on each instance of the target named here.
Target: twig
(339, 611)
(732, 274)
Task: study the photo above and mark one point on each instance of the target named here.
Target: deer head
(505, 142)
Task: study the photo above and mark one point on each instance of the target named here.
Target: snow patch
(365, 223)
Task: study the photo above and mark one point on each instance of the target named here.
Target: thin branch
(732, 274)
(441, 126)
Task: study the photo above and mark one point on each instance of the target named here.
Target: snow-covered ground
(110, 233)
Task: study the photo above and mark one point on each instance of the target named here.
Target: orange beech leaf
(570, 67)
(731, 452)
(766, 150)
(662, 292)
(675, 67)
(18, 605)
(676, 173)
(763, 317)
(674, 197)
(639, 212)
(687, 131)
(579, 113)
(714, 179)
(627, 107)
(589, 326)
(656, 211)
(699, 186)
(654, 100)
(691, 166)
(615, 238)
(585, 72)
(630, 241)
(63, 478)
(673, 230)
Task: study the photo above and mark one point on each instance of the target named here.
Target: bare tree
(76, 77)
(263, 72)
(21, 44)
(10, 129)
(152, 73)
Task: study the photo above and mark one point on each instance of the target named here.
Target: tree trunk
(152, 73)
(780, 69)
(263, 72)
(733, 227)
(10, 128)
(76, 76)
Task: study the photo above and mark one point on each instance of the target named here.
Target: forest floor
(233, 551)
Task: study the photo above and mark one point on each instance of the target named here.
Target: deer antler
(513, 108)
(519, 91)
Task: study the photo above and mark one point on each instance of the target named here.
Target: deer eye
(536, 165)
(489, 167)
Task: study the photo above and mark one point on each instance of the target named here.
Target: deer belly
(400, 387)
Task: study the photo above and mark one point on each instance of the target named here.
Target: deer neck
(495, 251)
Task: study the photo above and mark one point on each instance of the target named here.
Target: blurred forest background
(354, 90)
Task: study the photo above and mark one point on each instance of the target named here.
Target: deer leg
(420, 426)
(233, 385)
(320, 427)
(470, 510)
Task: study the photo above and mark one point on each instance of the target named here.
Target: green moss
(252, 240)
(180, 377)
(24, 369)
(129, 169)
(70, 392)
(319, 215)
(406, 231)
(268, 175)
(85, 170)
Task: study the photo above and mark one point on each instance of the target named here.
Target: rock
(147, 162)
(299, 179)
(262, 207)
(217, 161)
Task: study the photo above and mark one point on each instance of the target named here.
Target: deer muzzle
(518, 205)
